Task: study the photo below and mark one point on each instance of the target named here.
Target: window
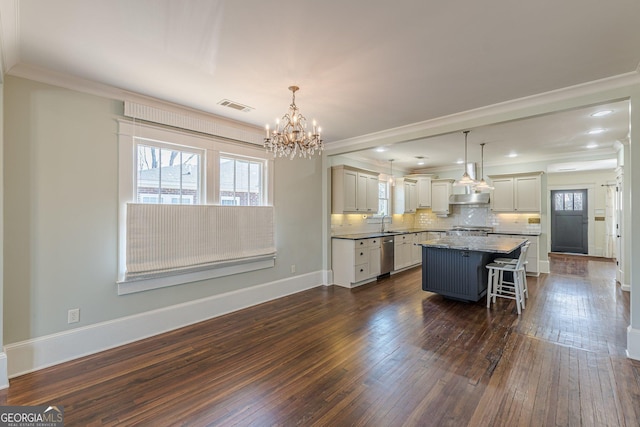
(568, 201)
(383, 197)
(168, 174)
(241, 181)
(163, 173)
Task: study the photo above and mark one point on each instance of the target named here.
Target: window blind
(175, 239)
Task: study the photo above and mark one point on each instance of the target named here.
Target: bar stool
(513, 261)
(498, 287)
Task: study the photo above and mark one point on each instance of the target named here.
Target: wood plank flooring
(384, 354)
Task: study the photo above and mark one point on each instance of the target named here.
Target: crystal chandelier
(291, 137)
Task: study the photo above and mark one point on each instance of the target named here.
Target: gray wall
(60, 216)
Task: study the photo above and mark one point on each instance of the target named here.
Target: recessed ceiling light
(602, 113)
(420, 163)
(512, 155)
(596, 131)
(381, 149)
(592, 145)
(459, 162)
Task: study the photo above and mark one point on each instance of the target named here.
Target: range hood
(469, 199)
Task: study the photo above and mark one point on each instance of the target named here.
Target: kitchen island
(455, 267)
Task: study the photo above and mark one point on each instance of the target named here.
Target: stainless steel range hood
(469, 199)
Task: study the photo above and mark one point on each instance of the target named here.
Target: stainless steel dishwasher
(386, 255)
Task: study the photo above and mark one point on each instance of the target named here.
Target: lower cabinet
(416, 251)
(402, 251)
(355, 262)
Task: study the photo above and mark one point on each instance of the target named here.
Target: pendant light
(466, 179)
(482, 185)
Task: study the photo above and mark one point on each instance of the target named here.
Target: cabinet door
(361, 193)
(440, 192)
(527, 194)
(407, 196)
(502, 198)
(424, 192)
(413, 197)
(372, 194)
(374, 261)
(416, 251)
(350, 190)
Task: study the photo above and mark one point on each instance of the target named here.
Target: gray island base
(455, 267)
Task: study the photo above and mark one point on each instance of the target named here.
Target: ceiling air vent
(235, 105)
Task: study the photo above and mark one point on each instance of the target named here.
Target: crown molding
(481, 116)
(78, 84)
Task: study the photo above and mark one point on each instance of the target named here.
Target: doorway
(569, 221)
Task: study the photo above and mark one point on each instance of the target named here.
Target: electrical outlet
(293, 268)
(73, 316)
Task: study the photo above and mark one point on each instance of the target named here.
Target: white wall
(593, 180)
(61, 216)
(4, 380)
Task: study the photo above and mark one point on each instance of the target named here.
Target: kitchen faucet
(382, 222)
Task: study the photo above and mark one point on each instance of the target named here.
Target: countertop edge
(515, 233)
(468, 246)
(373, 235)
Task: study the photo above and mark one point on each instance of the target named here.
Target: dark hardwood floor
(384, 354)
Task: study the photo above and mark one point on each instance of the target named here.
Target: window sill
(130, 286)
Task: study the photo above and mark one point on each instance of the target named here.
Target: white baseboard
(633, 343)
(327, 276)
(38, 353)
(544, 266)
(4, 376)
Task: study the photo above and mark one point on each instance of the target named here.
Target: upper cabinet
(516, 193)
(405, 196)
(423, 189)
(353, 190)
(440, 192)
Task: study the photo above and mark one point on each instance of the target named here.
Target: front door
(569, 221)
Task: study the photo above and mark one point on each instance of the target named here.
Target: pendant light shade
(466, 179)
(482, 185)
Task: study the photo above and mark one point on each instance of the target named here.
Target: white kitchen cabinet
(405, 198)
(423, 189)
(402, 251)
(416, 251)
(440, 192)
(353, 190)
(527, 191)
(516, 193)
(355, 262)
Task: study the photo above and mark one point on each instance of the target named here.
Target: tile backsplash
(425, 219)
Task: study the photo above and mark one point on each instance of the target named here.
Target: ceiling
(363, 66)
(563, 135)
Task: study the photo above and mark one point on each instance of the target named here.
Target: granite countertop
(516, 233)
(373, 234)
(476, 243)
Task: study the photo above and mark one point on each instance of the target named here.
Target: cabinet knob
(361, 253)
(361, 270)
